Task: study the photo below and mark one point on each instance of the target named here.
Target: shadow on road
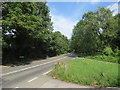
(22, 62)
(71, 55)
(29, 61)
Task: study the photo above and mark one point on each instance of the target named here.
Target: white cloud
(94, 1)
(114, 8)
(63, 24)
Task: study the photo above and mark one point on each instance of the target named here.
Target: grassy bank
(87, 72)
(110, 58)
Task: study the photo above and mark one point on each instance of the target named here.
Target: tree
(26, 29)
(94, 32)
(27, 32)
(59, 44)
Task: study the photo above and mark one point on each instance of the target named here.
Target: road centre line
(32, 79)
(16, 87)
(32, 66)
(47, 72)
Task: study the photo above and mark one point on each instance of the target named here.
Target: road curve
(18, 76)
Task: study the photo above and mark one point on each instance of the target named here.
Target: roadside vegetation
(88, 72)
(106, 55)
(97, 36)
(111, 59)
(28, 33)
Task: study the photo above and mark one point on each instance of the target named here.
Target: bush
(116, 52)
(107, 51)
(110, 58)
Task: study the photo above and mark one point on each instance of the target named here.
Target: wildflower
(57, 64)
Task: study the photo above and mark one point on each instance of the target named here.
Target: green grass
(112, 59)
(87, 72)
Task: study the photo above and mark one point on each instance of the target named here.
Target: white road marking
(31, 67)
(32, 79)
(16, 87)
(47, 72)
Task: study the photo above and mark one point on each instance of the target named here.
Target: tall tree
(59, 44)
(93, 32)
(26, 29)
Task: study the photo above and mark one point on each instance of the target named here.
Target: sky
(65, 15)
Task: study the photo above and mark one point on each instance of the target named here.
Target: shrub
(116, 52)
(108, 51)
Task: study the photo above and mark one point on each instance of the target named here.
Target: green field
(88, 72)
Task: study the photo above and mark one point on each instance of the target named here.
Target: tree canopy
(96, 31)
(27, 31)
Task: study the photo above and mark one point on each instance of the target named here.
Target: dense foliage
(28, 33)
(59, 44)
(105, 58)
(97, 32)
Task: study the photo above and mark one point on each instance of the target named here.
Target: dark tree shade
(27, 31)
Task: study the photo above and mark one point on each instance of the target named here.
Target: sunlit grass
(87, 72)
(110, 58)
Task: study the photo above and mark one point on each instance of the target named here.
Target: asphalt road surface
(23, 76)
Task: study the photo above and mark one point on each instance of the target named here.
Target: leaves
(27, 30)
(95, 31)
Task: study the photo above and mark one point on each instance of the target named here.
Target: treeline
(28, 33)
(97, 33)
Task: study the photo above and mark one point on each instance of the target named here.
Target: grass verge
(87, 72)
(110, 58)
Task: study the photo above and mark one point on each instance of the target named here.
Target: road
(31, 75)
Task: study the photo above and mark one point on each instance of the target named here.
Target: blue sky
(66, 14)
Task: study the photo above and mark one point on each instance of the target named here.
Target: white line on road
(32, 79)
(32, 67)
(47, 72)
(16, 87)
